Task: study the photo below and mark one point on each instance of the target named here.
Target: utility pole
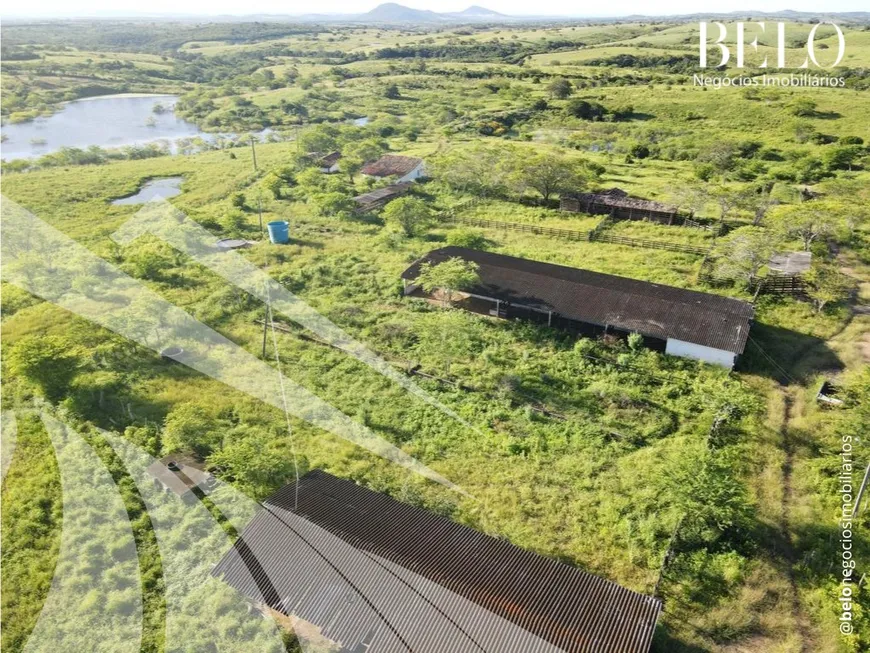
(266, 316)
(254, 152)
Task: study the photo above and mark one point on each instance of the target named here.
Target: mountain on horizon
(477, 10)
(391, 12)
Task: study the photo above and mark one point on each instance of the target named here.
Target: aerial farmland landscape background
(432, 328)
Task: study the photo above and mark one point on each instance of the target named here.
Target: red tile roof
(391, 164)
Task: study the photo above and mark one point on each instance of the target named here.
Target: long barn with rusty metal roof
(376, 575)
(681, 322)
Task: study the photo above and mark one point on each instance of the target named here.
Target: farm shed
(680, 322)
(617, 203)
(379, 197)
(379, 576)
(405, 168)
(329, 163)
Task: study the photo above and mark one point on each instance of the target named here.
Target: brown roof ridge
(652, 309)
(639, 282)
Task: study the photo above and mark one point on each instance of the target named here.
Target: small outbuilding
(403, 168)
(616, 203)
(676, 321)
(380, 197)
(329, 164)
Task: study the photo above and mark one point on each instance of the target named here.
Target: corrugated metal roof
(381, 194)
(619, 198)
(362, 565)
(649, 308)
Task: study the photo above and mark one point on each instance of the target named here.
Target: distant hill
(476, 11)
(391, 12)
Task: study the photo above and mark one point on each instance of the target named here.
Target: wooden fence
(596, 235)
(569, 234)
(650, 244)
(779, 285)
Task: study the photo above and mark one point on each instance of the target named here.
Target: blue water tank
(279, 232)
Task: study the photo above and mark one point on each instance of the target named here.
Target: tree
(639, 151)
(274, 184)
(550, 173)
(483, 169)
(356, 155)
(320, 139)
(755, 201)
(826, 284)
(727, 199)
(452, 275)
(335, 204)
(721, 155)
(842, 157)
(409, 214)
(744, 252)
(392, 92)
(466, 238)
(255, 462)
(803, 107)
(310, 181)
(810, 221)
(189, 426)
(239, 201)
(48, 362)
(585, 110)
(559, 88)
(233, 223)
(148, 260)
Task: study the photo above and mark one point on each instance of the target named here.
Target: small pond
(156, 188)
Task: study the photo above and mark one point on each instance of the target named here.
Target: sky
(512, 7)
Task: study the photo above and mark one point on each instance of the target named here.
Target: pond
(107, 121)
(156, 188)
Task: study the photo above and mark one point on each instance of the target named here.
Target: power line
(271, 322)
(787, 376)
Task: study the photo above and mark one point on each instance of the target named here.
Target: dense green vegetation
(716, 489)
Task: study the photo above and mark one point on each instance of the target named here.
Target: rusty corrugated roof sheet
(618, 198)
(651, 309)
(367, 568)
(382, 194)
